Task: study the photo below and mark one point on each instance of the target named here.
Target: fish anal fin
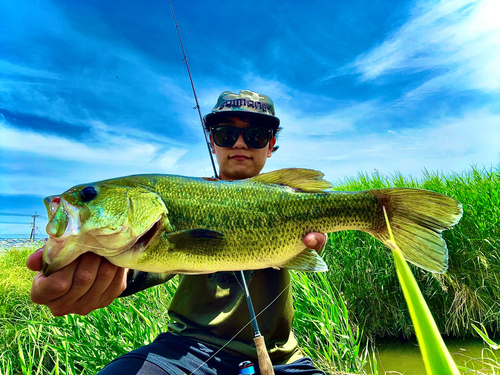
(308, 260)
(304, 180)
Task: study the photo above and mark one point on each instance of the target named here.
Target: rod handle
(265, 364)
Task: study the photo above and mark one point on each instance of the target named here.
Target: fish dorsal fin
(305, 180)
(307, 260)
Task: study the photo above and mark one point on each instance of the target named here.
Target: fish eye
(88, 193)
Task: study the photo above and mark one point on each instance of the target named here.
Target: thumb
(34, 261)
(315, 241)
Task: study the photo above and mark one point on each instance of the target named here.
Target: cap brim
(212, 119)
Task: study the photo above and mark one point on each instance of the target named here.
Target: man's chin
(240, 173)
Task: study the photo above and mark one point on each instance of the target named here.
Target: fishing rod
(265, 364)
(194, 91)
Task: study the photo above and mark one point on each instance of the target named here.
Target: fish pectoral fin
(185, 238)
(303, 180)
(308, 260)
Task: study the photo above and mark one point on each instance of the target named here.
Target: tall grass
(16, 307)
(322, 325)
(364, 272)
(33, 341)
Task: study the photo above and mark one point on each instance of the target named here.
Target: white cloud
(113, 151)
(61, 162)
(449, 144)
(301, 124)
(459, 38)
(7, 68)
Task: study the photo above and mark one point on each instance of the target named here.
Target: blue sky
(91, 90)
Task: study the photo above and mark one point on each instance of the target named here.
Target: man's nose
(240, 142)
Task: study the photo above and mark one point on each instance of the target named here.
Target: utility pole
(33, 227)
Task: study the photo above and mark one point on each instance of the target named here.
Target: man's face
(240, 161)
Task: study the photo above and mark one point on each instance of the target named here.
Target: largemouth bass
(176, 224)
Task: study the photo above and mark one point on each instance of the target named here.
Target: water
(405, 358)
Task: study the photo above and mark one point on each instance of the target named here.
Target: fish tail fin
(417, 218)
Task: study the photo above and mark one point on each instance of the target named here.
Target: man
(207, 311)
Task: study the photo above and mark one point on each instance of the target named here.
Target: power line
(9, 228)
(9, 214)
(23, 215)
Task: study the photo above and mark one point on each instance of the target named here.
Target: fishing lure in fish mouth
(176, 224)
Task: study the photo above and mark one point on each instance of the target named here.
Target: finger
(49, 288)
(109, 283)
(83, 277)
(116, 287)
(34, 261)
(315, 241)
(104, 277)
(79, 284)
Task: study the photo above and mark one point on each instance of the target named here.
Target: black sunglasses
(254, 137)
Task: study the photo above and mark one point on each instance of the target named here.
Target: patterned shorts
(177, 355)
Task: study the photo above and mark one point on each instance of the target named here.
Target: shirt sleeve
(139, 280)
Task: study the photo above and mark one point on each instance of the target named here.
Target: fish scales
(163, 223)
(261, 223)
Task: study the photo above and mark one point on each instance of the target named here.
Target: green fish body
(176, 224)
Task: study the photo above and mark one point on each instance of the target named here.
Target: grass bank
(358, 298)
(363, 269)
(33, 341)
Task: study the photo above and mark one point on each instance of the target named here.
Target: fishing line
(238, 280)
(241, 330)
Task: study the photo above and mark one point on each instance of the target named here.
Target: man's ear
(212, 144)
(270, 146)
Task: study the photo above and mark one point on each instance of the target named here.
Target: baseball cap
(255, 106)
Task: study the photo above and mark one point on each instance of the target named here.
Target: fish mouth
(63, 226)
(60, 252)
(146, 237)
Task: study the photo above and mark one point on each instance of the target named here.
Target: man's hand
(88, 283)
(315, 241)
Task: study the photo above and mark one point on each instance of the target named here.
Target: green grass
(16, 307)
(358, 300)
(322, 325)
(33, 341)
(363, 269)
